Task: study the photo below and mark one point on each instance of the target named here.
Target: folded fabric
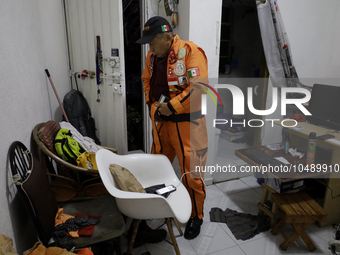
(87, 160)
(87, 230)
(86, 142)
(39, 249)
(59, 232)
(47, 134)
(61, 218)
(85, 251)
(125, 179)
(6, 246)
(243, 225)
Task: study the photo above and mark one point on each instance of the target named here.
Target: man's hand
(164, 109)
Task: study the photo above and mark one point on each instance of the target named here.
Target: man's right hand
(158, 117)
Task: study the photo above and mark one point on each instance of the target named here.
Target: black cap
(152, 27)
(312, 135)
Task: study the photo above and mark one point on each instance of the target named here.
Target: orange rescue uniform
(184, 132)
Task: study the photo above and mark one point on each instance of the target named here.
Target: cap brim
(145, 39)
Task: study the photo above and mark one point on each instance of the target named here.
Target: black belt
(183, 117)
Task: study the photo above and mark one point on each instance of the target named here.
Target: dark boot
(193, 228)
(147, 235)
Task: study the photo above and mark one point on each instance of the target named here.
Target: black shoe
(147, 235)
(193, 228)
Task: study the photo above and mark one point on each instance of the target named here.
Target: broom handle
(56, 94)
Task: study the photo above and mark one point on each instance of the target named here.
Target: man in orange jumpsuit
(173, 68)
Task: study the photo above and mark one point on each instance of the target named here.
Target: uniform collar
(175, 44)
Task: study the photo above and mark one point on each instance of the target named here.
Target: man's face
(160, 46)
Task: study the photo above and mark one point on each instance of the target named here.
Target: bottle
(311, 149)
(286, 144)
(285, 139)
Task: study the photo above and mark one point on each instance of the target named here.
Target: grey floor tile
(251, 181)
(231, 187)
(246, 200)
(233, 251)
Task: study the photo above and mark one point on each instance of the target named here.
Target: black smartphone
(163, 99)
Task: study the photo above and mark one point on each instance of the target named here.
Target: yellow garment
(61, 217)
(87, 160)
(6, 246)
(39, 249)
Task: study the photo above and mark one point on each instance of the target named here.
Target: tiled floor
(216, 239)
(225, 156)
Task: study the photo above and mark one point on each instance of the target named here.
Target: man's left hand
(164, 109)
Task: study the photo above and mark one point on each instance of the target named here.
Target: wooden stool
(272, 212)
(300, 211)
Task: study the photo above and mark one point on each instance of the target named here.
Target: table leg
(264, 198)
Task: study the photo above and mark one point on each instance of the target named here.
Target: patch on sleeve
(192, 72)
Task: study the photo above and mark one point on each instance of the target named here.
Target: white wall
(314, 35)
(204, 30)
(32, 39)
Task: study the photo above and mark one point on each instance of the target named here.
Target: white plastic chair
(149, 170)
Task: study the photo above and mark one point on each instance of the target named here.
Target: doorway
(241, 63)
(134, 86)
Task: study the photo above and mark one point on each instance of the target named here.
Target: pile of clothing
(68, 227)
(243, 225)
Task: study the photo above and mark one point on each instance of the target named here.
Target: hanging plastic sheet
(276, 45)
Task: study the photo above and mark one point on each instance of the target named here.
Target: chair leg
(173, 238)
(178, 226)
(134, 225)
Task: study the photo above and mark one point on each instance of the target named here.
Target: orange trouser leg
(191, 153)
(191, 149)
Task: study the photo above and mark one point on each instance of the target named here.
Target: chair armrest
(110, 149)
(150, 169)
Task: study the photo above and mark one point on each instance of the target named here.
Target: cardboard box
(282, 187)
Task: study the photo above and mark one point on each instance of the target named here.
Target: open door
(85, 20)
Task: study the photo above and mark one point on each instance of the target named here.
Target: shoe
(147, 235)
(334, 246)
(193, 228)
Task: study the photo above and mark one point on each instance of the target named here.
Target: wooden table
(298, 138)
(331, 203)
